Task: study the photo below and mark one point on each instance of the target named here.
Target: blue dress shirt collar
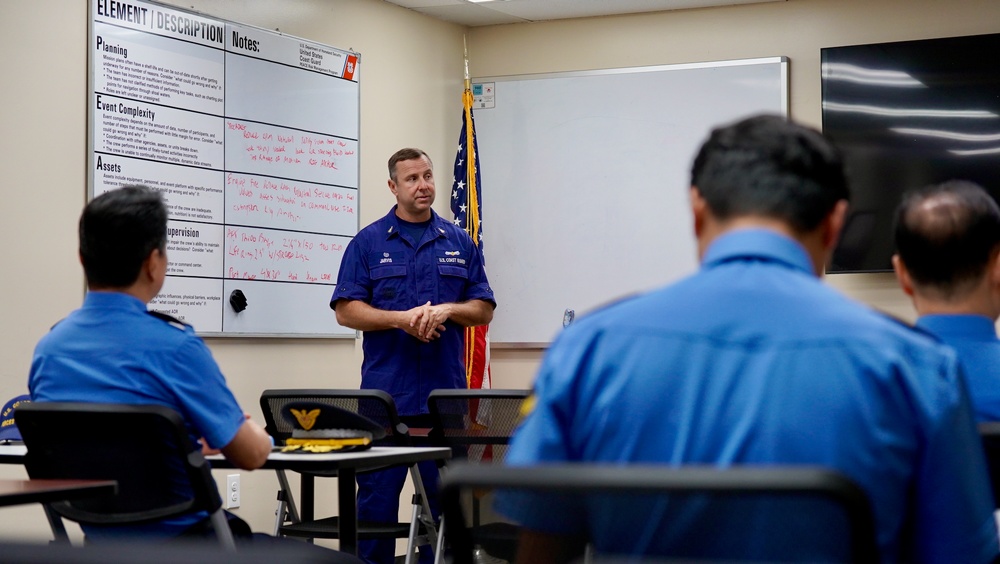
(115, 300)
(966, 326)
(757, 244)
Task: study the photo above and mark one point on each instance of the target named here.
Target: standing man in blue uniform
(948, 262)
(112, 350)
(410, 281)
(753, 360)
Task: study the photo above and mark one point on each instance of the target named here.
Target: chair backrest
(145, 448)
(989, 434)
(656, 512)
(376, 405)
(464, 418)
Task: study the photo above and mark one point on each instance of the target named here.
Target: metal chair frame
(492, 431)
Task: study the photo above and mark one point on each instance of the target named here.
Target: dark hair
(407, 154)
(768, 166)
(946, 234)
(118, 231)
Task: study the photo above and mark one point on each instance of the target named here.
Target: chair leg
(293, 514)
(425, 516)
(439, 549)
(56, 524)
(279, 514)
(222, 531)
(412, 538)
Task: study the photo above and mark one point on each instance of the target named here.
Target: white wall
(410, 95)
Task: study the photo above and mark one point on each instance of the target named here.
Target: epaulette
(171, 320)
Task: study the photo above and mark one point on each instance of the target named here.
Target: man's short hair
(407, 154)
(767, 166)
(946, 234)
(118, 231)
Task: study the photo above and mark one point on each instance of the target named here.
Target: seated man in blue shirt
(948, 261)
(754, 361)
(112, 350)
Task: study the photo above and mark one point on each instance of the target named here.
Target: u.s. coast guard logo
(385, 255)
(451, 253)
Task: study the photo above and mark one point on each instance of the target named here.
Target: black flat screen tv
(905, 115)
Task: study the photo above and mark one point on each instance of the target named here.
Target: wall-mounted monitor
(908, 114)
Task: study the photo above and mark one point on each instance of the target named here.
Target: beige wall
(411, 81)
(796, 29)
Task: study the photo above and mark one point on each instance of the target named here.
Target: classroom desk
(346, 464)
(12, 454)
(17, 492)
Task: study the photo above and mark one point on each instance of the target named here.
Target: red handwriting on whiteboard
(263, 145)
(259, 254)
(266, 199)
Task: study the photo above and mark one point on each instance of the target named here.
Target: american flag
(466, 205)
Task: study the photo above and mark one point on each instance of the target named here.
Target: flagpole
(470, 177)
(472, 193)
(474, 336)
(465, 50)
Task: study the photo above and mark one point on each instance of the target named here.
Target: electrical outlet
(232, 491)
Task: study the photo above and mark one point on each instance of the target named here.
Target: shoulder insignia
(172, 321)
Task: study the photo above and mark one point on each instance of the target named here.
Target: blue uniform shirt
(753, 360)
(385, 268)
(974, 337)
(112, 350)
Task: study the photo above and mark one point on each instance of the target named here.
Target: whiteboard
(252, 138)
(586, 177)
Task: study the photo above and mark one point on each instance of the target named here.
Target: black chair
(477, 426)
(376, 405)
(145, 448)
(733, 490)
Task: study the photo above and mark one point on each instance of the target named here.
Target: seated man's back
(754, 361)
(112, 350)
(948, 261)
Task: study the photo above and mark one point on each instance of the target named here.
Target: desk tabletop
(14, 492)
(375, 456)
(12, 454)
